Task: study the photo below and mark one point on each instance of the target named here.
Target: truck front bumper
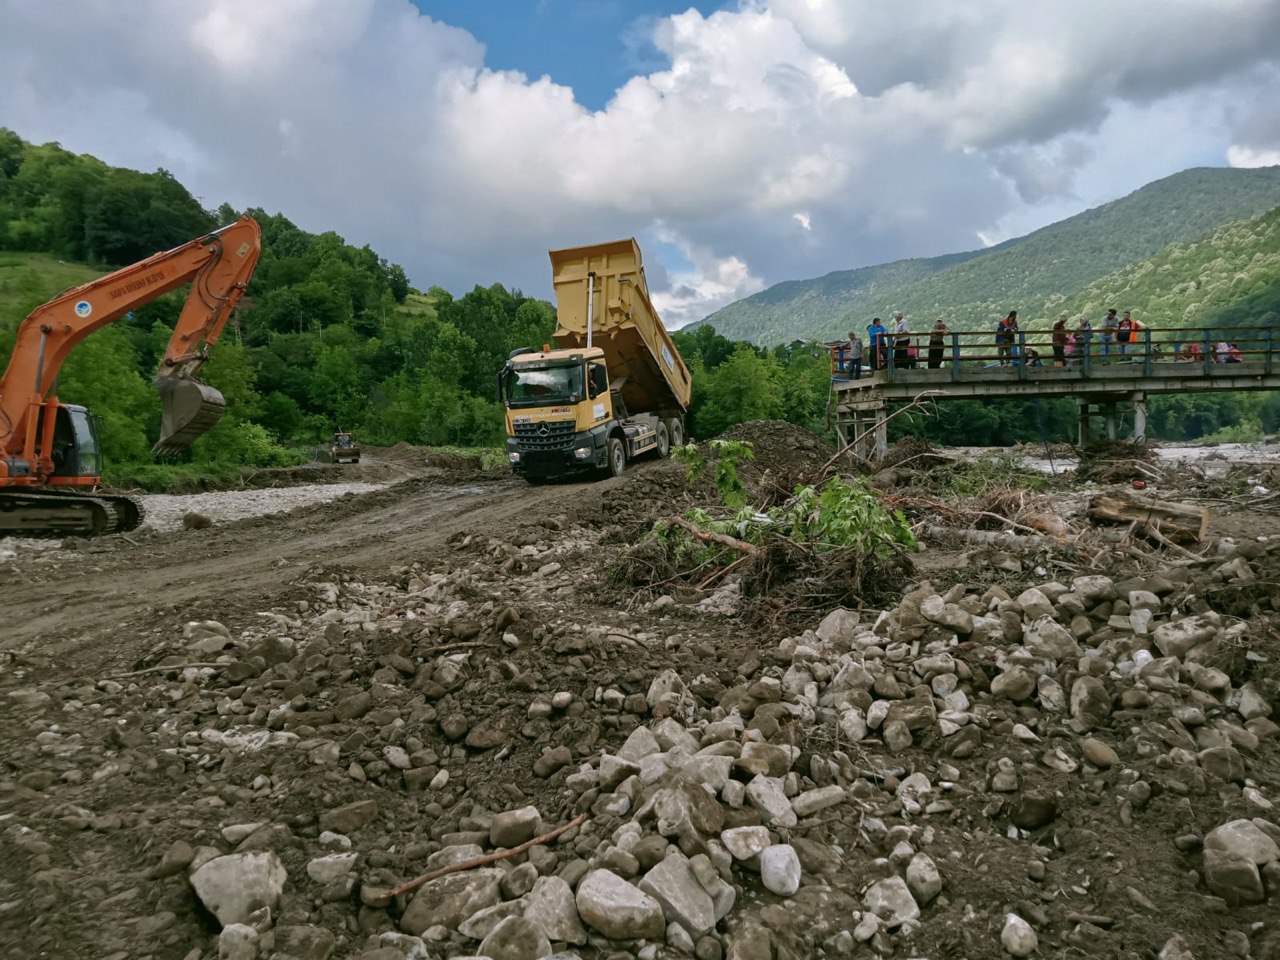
(586, 451)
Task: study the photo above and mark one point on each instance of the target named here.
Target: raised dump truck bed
(607, 279)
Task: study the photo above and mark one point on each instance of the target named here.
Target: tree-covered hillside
(974, 288)
(329, 336)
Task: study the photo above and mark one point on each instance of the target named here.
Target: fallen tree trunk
(1179, 522)
(709, 536)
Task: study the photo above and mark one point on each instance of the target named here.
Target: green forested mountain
(1228, 276)
(971, 289)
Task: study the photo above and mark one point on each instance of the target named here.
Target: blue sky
(593, 46)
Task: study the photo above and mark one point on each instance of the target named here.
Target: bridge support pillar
(1109, 420)
(1140, 417)
(867, 430)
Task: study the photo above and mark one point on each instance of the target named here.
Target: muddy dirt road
(81, 601)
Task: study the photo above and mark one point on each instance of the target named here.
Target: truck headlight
(582, 453)
(513, 456)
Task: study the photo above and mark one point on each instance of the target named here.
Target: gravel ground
(164, 511)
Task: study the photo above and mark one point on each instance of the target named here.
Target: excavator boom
(42, 441)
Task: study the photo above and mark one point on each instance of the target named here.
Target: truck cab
(561, 416)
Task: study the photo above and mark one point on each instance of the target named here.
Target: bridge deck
(1014, 381)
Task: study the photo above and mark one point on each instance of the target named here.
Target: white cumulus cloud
(777, 139)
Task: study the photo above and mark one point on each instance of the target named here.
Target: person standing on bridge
(1006, 335)
(936, 335)
(876, 334)
(1107, 335)
(1060, 342)
(1124, 334)
(901, 341)
(854, 356)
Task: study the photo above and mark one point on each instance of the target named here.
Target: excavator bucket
(188, 410)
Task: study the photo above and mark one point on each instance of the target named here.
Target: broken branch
(484, 861)
(722, 539)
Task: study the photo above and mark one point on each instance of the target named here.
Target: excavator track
(62, 513)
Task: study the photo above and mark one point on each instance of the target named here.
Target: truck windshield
(525, 386)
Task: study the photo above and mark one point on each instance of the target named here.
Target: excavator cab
(188, 410)
(75, 451)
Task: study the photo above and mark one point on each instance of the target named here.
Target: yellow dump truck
(615, 389)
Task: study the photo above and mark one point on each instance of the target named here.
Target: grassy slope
(29, 279)
(973, 288)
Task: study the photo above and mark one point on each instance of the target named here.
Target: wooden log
(709, 536)
(1180, 522)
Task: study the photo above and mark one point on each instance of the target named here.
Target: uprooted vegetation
(833, 542)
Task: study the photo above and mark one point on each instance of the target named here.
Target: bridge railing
(1026, 354)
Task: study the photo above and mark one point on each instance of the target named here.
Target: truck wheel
(617, 457)
(675, 432)
(664, 441)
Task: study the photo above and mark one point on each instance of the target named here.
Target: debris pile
(491, 752)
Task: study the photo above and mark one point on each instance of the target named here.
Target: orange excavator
(50, 464)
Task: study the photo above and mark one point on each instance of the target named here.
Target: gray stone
(303, 941)
(233, 886)
(1093, 590)
(481, 923)
(1225, 763)
(948, 615)
(1048, 638)
(923, 878)
(450, 900)
(551, 906)
(618, 910)
(839, 626)
(812, 801)
(780, 869)
(238, 941)
(684, 901)
(350, 818)
(1017, 937)
(514, 827)
(1013, 684)
(892, 902)
(1243, 838)
(767, 796)
(642, 743)
(1034, 604)
(744, 843)
(614, 770)
(515, 938)
(897, 736)
(1090, 702)
(1180, 637)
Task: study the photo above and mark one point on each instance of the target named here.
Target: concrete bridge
(1106, 385)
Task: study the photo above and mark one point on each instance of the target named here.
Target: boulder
(780, 869)
(514, 827)
(1090, 702)
(923, 878)
(766, 795)
(515, 938)
(1047, 638)
(1017, 937)
(744, 843)
(235, 885)
(1180, 637)
(450, 900)
(839, 626)
(892, 902)
(684, 901)
(551, 906)
(618, 910)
